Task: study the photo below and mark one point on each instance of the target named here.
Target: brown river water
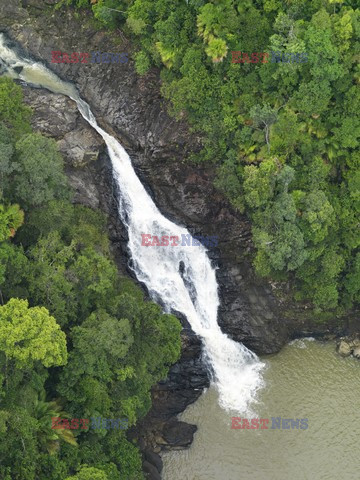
(306, 380)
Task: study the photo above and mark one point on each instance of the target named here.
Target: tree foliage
(76, 339)
(261, 121)
(30, 335)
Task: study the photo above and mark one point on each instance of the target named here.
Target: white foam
(236, 371)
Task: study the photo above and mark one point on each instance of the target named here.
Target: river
(307, 379)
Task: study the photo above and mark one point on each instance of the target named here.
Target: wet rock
(344, 349)
(57, 116)
(349, 345)
(154, 459)
(183, 386)
(151, 471)
(178, 435)
(356, 352)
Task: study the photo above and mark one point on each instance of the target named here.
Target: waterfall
(235, 370)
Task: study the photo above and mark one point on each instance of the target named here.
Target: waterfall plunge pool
(307, 379)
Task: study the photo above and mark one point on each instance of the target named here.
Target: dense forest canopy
(283, 136)
(76, 339)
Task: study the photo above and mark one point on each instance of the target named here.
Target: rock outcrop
(253, 311)
(350, 345)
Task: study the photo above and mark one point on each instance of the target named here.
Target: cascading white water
(236, 371)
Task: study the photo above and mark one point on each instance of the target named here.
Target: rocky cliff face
(252, 311)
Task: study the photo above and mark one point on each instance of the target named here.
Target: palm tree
(217, 49)
(12, 217)
(209, 21)
(314, 127)
(49, 439)
(167, 54)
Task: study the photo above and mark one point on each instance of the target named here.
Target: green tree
(89, 473)
(29, 335)
(263, 117)
(212, 19)
(49, 281)
(18, 446)
(259, 183)
(13, 113)
(142, 63)
(40, 173)
(14, 271)
(217, 49)
(7, 166)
